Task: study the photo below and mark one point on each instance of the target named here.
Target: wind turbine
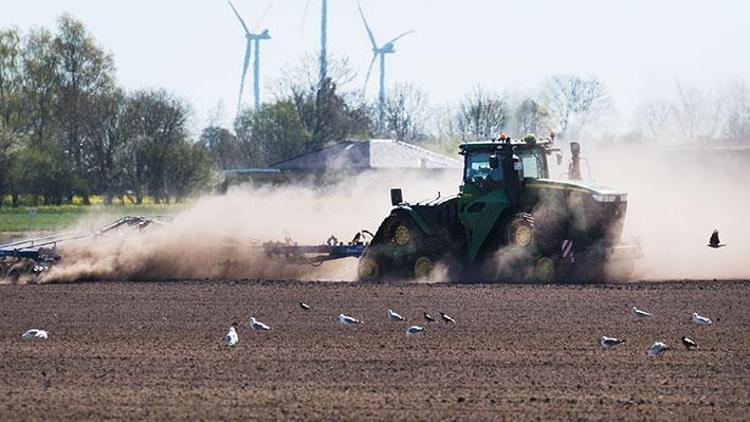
(379, 51)
(253, 40)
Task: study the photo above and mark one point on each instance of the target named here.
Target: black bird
(305, 306)
(446, 318)
(689, 343)
(714, 242)
(428, 317)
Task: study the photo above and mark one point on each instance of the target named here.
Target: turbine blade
(369, 32)
(247, 31)
(304, 18)
(263, 15)
(400, 36)
(369, 70)
(245, 66)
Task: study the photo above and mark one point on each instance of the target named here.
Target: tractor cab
(503, 164)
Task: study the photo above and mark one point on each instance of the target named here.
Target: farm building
(348, 157)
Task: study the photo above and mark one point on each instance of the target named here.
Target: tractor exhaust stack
(574, 170)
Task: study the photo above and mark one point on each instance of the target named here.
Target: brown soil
(152, 350)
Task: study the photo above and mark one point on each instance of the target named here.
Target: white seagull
(413, 330)
(701, 320)
(257, 325)
(305, 306)
(447, 318)
(657, 348)
(639, 313)
(347, 320)
(610, 342)
(34, 334)
(393, 316)
(231, 338)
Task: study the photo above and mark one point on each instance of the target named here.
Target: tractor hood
(599, 193)
(592, 214)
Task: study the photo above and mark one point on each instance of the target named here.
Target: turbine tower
(379, 51)
(323, 41)
(253, 41)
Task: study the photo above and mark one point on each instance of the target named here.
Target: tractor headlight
(624, 197)
(604, 198)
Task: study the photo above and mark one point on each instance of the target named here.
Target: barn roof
(372, 154)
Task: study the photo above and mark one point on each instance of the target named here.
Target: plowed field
(152, 350)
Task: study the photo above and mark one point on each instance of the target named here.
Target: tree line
(68, 129)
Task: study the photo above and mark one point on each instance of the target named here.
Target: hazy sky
(639, 48)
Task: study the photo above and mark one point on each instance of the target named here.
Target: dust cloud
(221, 236)
(677, 195)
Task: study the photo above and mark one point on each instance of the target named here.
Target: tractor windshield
(478, 168)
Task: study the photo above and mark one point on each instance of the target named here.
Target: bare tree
(531, 117)
(735, 98)
(655, 118)
(481, 114)
(687, 110)
(327, 109)
(697, 113)
(574, 102)
(406, 113)
(305, 73)
(444, 125)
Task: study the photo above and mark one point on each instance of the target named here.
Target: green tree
(223, 146)
(39, 91)
(8, 160)
(190, 169)
(83, 71)
(106, 143)
(279, 133)
(11, 107)
(11, 79)
(155, 122)
(46, 172)
(251, 152)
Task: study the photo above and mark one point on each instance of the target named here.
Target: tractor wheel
(423, 267)
(520, 231)
(544, 270)
(368, 268)
(401, 233)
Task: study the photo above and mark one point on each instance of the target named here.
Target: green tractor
(509, 220)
